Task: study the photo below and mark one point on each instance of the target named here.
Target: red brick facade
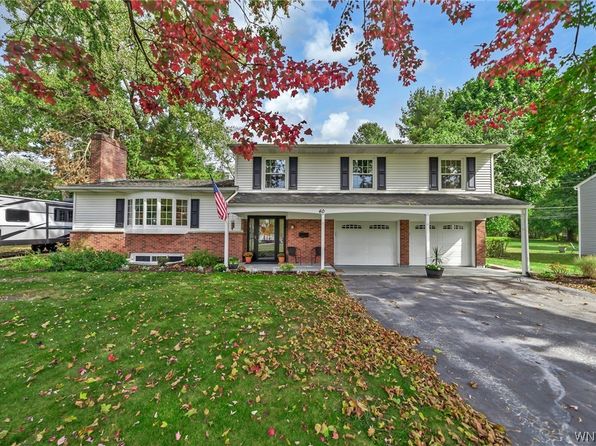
(160, 243)
(404, 242)
(108, 159)
(480, 240)
(305, 245)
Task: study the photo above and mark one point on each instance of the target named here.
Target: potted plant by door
(247, 257)
(281, 257)
(434, 269)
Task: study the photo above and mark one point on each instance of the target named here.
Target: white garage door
(365, 243)
(452, 239)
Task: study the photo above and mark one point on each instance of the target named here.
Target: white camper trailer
(39, 223)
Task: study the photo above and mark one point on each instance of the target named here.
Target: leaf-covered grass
(147, 358)
(543, 253)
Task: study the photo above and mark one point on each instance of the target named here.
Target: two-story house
(324, 204)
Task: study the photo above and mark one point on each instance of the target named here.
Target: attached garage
(452, 239)
(366, 243)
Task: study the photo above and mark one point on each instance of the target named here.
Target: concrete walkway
(529, 346)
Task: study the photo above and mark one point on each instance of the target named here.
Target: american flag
(220, 202)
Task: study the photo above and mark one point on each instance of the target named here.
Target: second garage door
(452, 239)
(366, 243)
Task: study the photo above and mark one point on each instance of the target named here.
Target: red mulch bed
(580, 283)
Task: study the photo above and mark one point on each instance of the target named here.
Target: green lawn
(136, 358)
(542, 254)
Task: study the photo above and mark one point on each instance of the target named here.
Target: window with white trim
(139, 211)
(275, 173)
(362, 173)
(129, 212)
(151, 212)
(158, 212)
(451, 174)
(181, 212)
(165, 212)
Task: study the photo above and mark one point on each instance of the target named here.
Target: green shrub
(287, 267)
(587, 265)
(202, 258)
(30, 262)
(496, 247)
(86, 260)
(501, 226)
(558, 270)
(68, 259)
(220, 268)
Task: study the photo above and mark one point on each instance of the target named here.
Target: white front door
(365, 243)
(452, 239)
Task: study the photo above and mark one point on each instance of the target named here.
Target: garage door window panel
(362, 173)
(451, 174)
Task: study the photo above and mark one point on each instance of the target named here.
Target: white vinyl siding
(406, 173)
(587, 217)
(97, 212)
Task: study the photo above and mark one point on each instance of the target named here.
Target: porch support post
(427, 237)
(525, 243)
(226, 239)
(322, 212)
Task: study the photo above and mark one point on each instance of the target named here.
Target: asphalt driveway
(521, 351)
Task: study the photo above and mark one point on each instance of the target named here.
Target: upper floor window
(362, 174)
(275, 173)
(451, 173)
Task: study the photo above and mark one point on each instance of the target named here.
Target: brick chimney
(108, 158)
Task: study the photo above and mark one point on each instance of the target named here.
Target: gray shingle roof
(377, 199)
(151, 184)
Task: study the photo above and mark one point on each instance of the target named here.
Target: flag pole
(226, 240)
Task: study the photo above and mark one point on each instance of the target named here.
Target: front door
(266, 237)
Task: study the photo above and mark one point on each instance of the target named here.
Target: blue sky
(444, 47)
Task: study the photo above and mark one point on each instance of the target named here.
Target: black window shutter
(345, 173)
(471, 173)
(256, 172)
(194, 213)
(293, 172)
(119, 212)
(381, 173)
(433, 169)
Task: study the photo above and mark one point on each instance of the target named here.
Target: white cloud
(299, 106)
(335, 128)
(319, 46)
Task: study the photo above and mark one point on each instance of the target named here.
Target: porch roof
(376, 199)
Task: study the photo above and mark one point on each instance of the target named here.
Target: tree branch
(135, 33)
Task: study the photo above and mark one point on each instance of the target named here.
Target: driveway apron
(521, 351)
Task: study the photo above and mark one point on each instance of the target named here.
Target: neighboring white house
(586, 208)
(335, 204)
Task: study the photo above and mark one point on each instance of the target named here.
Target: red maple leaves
(199, 55)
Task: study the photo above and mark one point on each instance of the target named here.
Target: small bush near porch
(543, 253)
(180, 358)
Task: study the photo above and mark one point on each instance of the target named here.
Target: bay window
(158, 212)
